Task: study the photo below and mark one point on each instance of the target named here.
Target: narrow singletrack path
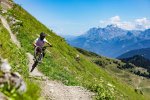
(6, 25)
(53, 90)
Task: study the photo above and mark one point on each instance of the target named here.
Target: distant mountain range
(138, 60)
(111, 41)
(145, 52)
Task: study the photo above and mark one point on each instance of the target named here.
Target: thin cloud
(137, 24)
(142, 23)
(115, 20)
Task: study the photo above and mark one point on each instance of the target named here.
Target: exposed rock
(12, 80)
(6, 4)
(7, 26)
(5, 67)
(3, 97)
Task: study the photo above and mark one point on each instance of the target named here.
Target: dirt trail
(6, 25)
(56, 90)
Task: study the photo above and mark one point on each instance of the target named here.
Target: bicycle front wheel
(34, 65)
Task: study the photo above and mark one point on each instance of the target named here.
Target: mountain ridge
(111, 41)
(143, 52)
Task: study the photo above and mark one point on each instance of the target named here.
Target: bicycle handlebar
(43, 46)
(46, 46)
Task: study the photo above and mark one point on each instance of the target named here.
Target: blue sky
(74, 17)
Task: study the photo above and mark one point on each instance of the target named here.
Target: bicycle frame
(41, 49)
(38, 52)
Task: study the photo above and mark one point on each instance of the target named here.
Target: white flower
(110, 85)
(5, 67)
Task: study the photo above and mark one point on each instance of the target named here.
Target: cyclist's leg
(40, 54)
(37, 52)
(43, 54)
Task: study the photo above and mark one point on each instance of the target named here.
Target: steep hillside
(143, 64)
(138, 60)
(143, 52)
(126, 72)
(59, 62)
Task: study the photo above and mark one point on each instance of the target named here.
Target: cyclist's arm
(34, 43)
(48, 43)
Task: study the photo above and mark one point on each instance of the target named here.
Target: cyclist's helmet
(42, 35)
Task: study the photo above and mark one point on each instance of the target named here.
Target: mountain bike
(39, 53)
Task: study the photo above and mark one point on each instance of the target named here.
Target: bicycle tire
(34, 65)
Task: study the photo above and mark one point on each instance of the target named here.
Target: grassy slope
(18, 61)
(60, 63)
(110, 65)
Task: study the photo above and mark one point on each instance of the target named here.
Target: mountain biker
(40, 42)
